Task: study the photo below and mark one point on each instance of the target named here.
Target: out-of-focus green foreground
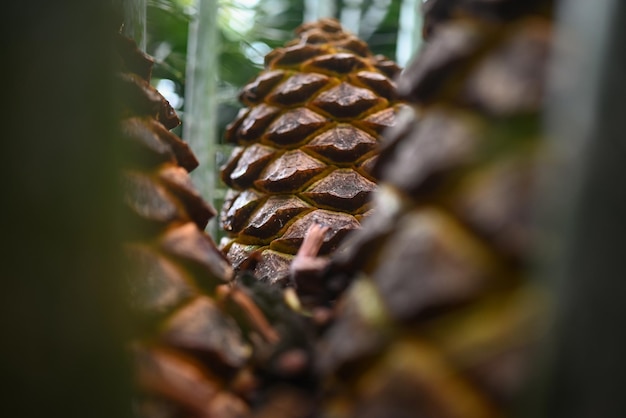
(62, 317)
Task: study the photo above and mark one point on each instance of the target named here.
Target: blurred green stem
(200, 118)
(135, 21)
(409, 31)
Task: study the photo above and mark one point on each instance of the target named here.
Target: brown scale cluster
(189, 352)
(304, 147)
(441, 317)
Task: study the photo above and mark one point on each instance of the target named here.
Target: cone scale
(442, 316)
(304, 147)
(187, 348)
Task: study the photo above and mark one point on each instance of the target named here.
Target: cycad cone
(188, 347)
(305, 144)
(442, 316)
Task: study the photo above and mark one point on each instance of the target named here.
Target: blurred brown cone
(189, 352)
(441, 318)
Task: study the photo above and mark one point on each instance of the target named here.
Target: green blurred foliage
(248, 30)
(167, 33)
(383, 40)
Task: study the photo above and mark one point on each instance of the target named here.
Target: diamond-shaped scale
(191, 245)
(203, 327)
(230, 165)
(378, 82)
(347, 101)
(273, 216)
(250, 164)
(387, 66)
(292, 55)
(342, 63)
(255, 122)
(154, 138)
(145, 142)
(446, 140)
(343, 189)
(447, 264)
(230, 134)
(290, 172)
(294, 126)
(176, 377)
(256, 91)
(355, 45)
(273, 268)
(340, 224)
(159, 283)
(237, 210)
(367, 166)
(343, 143)
(381, 120)
(490, 201)
(147, 197)
(298, 88)
(179, 182)
(238, 253)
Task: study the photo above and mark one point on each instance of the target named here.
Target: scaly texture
(305, 144)
(441, 315)
(189, 350)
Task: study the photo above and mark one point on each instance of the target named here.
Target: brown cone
(189, 350)
(441, 318)
(305, 143)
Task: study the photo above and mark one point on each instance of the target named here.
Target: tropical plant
(306, 143)
(246, 31)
